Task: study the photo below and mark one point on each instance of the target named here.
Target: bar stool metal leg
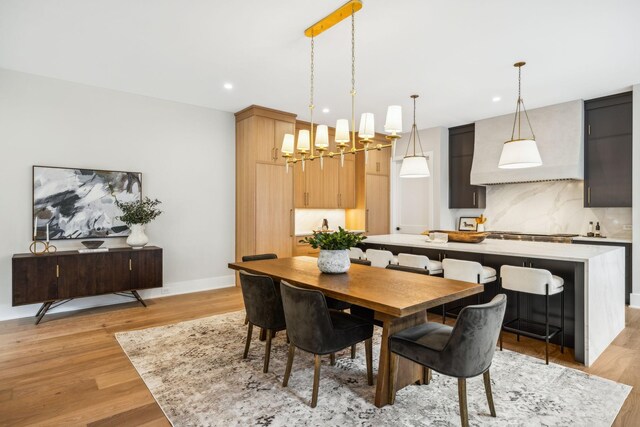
(562, 321)
(518, 314)
(546, 324)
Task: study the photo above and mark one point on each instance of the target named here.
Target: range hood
(559, 134)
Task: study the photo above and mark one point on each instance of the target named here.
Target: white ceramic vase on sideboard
(137, 239)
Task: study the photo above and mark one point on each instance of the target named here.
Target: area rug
(196, 373)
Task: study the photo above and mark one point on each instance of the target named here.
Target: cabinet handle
(474, 198)
(366, 220)
(275, 157)
(130, 264)
(57, 271)
(377, 166)
(290, 222)
(530, 265)
(589, 196)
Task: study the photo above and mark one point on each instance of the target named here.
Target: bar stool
(467, 271)
(380, 258)
(357, 253)
(534, 281)
(420, 261)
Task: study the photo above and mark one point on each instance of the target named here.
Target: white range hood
(559, 134)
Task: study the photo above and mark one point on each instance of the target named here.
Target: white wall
(185, 153)
(635, 296)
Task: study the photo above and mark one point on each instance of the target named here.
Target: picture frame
(79, 203)
(466, 223)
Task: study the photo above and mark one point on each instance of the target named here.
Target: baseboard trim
(634, 300)
(169, 289)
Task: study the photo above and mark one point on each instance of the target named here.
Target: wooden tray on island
(462, 236)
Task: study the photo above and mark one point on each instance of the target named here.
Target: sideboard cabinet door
(34, 280)
(146, 269)
(93, 274)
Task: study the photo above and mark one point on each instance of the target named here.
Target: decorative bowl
(92, 244)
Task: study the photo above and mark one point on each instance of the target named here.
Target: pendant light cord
(311, 89)
(414, 133)
(520, 108)
(353, 77)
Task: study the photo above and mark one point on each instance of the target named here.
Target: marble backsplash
(550, 207)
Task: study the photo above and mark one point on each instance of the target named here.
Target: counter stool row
(519, 280)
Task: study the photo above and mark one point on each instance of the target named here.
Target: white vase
(137, 239)
(334, 262)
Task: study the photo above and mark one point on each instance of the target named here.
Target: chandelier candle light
(518, 153)
(306, 142)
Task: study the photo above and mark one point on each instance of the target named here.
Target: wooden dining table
(398, 299)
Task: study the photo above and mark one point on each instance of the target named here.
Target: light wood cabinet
(377, 204)
(347, 184)
(264, 190)
(379, 160)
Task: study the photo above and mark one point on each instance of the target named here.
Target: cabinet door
(93, 274)
(274, 210)
(299, 185)
(329, 178)
(146, 268)
(34, 280)
(265, 139)
(461, 193)
(608, 146)
(313, 183)
(377, 204)
(347, 185)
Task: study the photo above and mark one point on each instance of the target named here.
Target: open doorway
(411, 201)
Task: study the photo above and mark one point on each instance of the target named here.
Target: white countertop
(602, 239)
(543, 250)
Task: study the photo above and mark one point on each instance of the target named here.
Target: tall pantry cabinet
(264, 190)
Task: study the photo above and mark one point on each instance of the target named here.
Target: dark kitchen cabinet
(607, 151)
(461, 193)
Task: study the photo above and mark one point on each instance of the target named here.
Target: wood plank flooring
(70, 370)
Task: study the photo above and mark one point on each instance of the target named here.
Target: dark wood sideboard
(54, 279)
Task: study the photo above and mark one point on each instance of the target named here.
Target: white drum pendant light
(518, 152)
(414, 165)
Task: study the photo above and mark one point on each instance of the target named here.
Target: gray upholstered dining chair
(264, 309)
(259, 257)
(313, 328)
(462, 351)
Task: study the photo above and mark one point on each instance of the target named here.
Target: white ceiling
(457, 55)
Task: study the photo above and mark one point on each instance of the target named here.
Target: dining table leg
(408, 371)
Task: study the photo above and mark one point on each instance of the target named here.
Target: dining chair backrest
(457, 269)
(309, 324)
(379, 258)
(261, 300)
(472, 343)
(258, 257)
(415, 261)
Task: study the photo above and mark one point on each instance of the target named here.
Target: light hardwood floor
(70, 370)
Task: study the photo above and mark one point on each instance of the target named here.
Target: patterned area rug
(196, 373)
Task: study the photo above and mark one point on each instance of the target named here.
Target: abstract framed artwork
(467, 224)
(80, 203)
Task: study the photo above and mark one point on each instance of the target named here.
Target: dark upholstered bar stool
(264, 309)
(534, 281)
(462, 351)
(314, 328)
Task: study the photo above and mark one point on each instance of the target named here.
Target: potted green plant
(136, 215)
(334, 249)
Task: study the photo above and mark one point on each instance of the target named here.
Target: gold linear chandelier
(309, 147)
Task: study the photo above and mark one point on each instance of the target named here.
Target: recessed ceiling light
(325, 110)
(496, 99)
(228, 86)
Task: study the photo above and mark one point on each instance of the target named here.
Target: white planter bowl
(334, 262)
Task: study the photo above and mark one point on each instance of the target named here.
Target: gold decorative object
(47, 248)
(481, 219)
(306, 146)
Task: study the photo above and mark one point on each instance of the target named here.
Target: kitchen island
(594, 282)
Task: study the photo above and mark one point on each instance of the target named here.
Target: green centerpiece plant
(334, 249)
